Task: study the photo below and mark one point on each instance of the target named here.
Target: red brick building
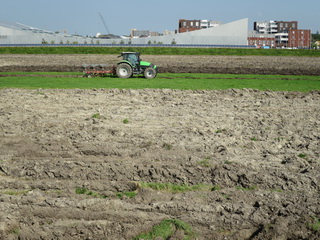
(193, 25)
(261, 40)
(299, 38)
(285, 26)
(188, 25)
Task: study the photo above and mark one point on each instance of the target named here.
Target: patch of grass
(302, 155)
(40, 73)
(15, 192)
(130, 194)
(219, 130)
(253, 139)
(166, 229)
(205, 162)
(85, 191)
(183, 81)
(216, 188)
(167, 146)
(315, 225)
(276, 190)
(15, 231)
(125, 121)
(176, 188)
(82, 190)
(96, 116)
(228, 162)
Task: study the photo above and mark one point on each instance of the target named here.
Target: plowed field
(73, 163)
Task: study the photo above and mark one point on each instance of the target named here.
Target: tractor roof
(123, 53)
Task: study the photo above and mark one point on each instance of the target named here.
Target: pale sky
(82, 17)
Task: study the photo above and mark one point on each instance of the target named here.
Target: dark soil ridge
(177, 69)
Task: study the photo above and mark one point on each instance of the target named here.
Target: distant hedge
(161, 51)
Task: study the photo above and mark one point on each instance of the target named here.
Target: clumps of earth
(113, 164)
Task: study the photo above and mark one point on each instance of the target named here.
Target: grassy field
(160, 51)
(184, 81)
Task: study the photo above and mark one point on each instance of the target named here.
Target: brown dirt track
(261, 148)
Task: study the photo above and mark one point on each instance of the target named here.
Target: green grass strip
(169, 81)
(39, 73)
(160, 51)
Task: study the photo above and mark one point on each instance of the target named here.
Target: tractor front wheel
(124, 70)
(150, 73)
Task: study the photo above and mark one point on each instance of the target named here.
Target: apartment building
(273, 27)
(193, 25)
(285, 34)
(267, 27)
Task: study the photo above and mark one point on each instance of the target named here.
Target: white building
(267, 27)
(17, 33)
(233, 33)
(209, 24)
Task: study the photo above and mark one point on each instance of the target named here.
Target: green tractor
(132, 64)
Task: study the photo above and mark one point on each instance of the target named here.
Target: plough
(97, 70)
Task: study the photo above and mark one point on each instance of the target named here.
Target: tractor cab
(131, 57)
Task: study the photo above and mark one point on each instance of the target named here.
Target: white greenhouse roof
(20, 26)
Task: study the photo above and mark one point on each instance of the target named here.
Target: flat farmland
(115, 163)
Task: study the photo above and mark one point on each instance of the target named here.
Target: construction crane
(104, 23)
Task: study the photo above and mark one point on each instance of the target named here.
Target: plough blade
(97, 70)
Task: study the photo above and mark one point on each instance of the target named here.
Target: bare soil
(259, 150)
(171, 64)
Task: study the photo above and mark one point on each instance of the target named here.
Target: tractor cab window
(133, 59)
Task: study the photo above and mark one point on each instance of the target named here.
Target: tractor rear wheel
(150, 73)
(124, 70)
